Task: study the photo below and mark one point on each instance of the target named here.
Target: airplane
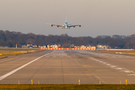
(65, 25)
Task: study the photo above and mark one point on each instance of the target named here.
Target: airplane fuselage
(66, 25)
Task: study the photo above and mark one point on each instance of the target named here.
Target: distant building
(59, 45)
(24, 46)
(34, 46)
(83, 47)
(102, 47)
(53, 46)
(29, 46)
(89, 46)
(44, 46)
(48, 46)
(76, 46)
(71, 46)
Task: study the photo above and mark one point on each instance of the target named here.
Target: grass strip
(14, 53)
(67, 87)
(117, 52)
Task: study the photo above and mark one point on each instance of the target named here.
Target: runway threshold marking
(15, 70)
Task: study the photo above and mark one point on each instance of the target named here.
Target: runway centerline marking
(17, 69)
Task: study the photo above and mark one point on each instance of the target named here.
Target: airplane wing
(58, 25)
(74, 25)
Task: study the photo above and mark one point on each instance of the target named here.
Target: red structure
(67, 48)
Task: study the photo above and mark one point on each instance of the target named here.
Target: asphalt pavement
(67, 67)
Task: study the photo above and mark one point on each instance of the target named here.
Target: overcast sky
(98, 17)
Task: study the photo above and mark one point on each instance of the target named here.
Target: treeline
(10, 39)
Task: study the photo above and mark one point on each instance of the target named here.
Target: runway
(67, 67)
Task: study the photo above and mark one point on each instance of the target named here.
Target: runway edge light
(79, 81)
(31, 82)
(126, 81)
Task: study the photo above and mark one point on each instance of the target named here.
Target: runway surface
(67, 67)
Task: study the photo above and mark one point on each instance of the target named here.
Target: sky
(97, 17)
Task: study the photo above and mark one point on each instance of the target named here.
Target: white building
(83, 47)
(102, 47)
(53, 46)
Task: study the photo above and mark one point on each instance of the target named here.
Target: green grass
(67, 87)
